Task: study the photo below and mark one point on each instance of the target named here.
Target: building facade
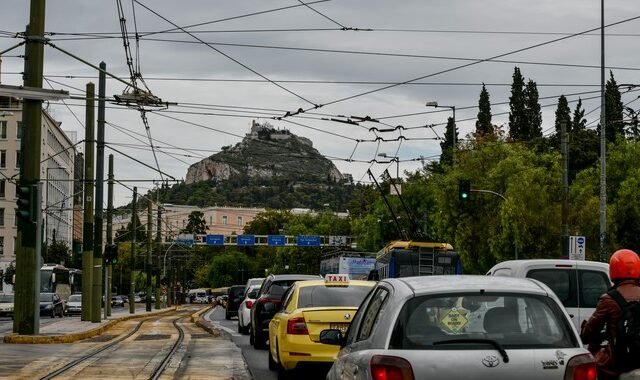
(57, 173)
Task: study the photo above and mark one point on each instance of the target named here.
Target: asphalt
(68, 330)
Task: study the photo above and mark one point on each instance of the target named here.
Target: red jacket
(607, 314)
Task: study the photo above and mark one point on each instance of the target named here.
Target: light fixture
(431, 104)
(32, 93)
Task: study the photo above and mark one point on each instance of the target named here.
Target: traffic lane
(257, 360)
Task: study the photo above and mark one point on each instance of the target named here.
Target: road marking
(218, 324)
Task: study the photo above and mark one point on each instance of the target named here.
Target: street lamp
(455, 143)
(393, 158)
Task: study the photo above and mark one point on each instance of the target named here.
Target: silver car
(244, 310)
(460, 327)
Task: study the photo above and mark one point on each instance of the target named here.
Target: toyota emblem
(347, 316)
(490, 361)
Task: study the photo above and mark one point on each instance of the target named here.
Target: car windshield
(319, 296)
(5, 298)
(512, 320)
(75, 298)
(46, 297)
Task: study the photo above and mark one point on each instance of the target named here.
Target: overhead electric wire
(322, 14)
(226, 55)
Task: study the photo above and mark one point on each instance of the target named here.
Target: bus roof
(411, 244)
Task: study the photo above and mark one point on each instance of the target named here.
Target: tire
(259, 341)
(53, 313)
(272, 363)
(251, 338)
(239, 328)
(226, 315)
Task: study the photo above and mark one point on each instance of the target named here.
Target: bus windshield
(46, 286)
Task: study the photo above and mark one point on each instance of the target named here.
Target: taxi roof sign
(338, 279)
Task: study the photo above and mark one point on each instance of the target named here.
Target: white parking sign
(577, 247)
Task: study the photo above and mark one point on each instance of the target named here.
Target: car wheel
(53, 313)
(272, 363)
(259, 341)
(227, 316)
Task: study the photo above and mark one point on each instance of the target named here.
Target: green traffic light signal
(26, 202)
(464, 189)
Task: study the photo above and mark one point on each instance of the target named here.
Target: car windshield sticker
(455, 320)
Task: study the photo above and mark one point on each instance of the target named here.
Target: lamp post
(393, 158)
(454, 139)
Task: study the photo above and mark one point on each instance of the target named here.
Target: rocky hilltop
(266, 153)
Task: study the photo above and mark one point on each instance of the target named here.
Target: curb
(73, 337)
(200, 322)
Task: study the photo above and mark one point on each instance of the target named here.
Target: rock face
(267, 153)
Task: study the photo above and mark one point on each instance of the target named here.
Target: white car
(244, 311)
(460, 327)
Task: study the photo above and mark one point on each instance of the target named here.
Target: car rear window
(78, 298)
(6, 298)
(518, 321)
(319, 296)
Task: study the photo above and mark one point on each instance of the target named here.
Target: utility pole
(87, 230)
(26, 313)
(97, 237)
(134, 230)
(159, 253)
(149, 247)
(565, 189)
(603, 145)
(109, 230)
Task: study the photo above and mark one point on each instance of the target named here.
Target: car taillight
(249, 304)
(297, 326)
(390, 368)
(581, 367)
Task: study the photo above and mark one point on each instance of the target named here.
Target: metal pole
(98, 233)
(26, 259)
(87, 230)
(603, 145)
(158, 248)
(565, 189)
(134, 229)
(36, 315)
(110, 229)
(149, 246)
(454, 139)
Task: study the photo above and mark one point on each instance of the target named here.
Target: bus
(56, 278)
(403, 258)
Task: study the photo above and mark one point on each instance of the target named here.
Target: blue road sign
(580, 240)
(215, 239)
(276, 240)
(308, 241)
(246, 240)
(186, 239)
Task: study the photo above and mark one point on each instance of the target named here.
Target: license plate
(339, 326)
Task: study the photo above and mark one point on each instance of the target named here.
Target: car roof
(277, 277)
(551, 263)
(454, 283)
(307, 283)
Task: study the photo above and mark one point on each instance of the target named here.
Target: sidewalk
(70, 329)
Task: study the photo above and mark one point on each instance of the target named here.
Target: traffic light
(464, 190)
(27, 202)
(110, 254)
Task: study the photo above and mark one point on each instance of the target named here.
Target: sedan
(117, 301)
(244, 310)
(74, 305)
(460, 327)
(51, 304)
(6, 305)
(308, 307)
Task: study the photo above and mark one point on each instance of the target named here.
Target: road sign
(338, 241)
(276, 240)
(246, 240)
(308, 241)
(187, 239)
(215, 239)
(577, 247)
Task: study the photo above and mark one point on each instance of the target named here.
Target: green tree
(126, 234)
(517, 107)
(57, 252)
(446, 146)
(270, 222)
(578, 122)
(563, 115)
(533, 124)
(614, 115)
(229, 268)
(483, 124)
(195, 224)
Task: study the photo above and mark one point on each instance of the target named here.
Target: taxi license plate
(339, 326)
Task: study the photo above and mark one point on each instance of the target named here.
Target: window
(210, 219)
(321, 296)
(561, 281)
(3, 185)
(15, 217)
(18, 158)
(19, 130)
(1, 245)
(593, 284)
(3, 158)
(240, 221)
(3, 129)
(225, 220)
(374, 309)
(1, 217)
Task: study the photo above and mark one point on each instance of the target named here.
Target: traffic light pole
(25, 319)
(97, 235)
(87, 227)
(109, 231)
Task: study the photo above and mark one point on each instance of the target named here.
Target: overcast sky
(221, 87)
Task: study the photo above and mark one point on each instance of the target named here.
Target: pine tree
(517, 115)
(446, 157)
(578, 123)
(483, 124)
(614, 110)
(533, 125)
(563, 114)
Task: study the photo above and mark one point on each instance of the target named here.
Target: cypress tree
(563, 114)
(614, 110)
(517, 115)
(578, 123)
(483, 124)
(533, 125)
(446, 157)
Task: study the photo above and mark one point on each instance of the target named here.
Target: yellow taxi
(309, 307)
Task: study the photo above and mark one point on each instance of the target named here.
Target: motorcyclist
(624, 271)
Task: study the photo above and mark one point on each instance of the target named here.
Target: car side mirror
(332, 336)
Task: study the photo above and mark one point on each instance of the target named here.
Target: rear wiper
(505, 357)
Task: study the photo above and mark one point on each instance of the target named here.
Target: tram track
(165, 362)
